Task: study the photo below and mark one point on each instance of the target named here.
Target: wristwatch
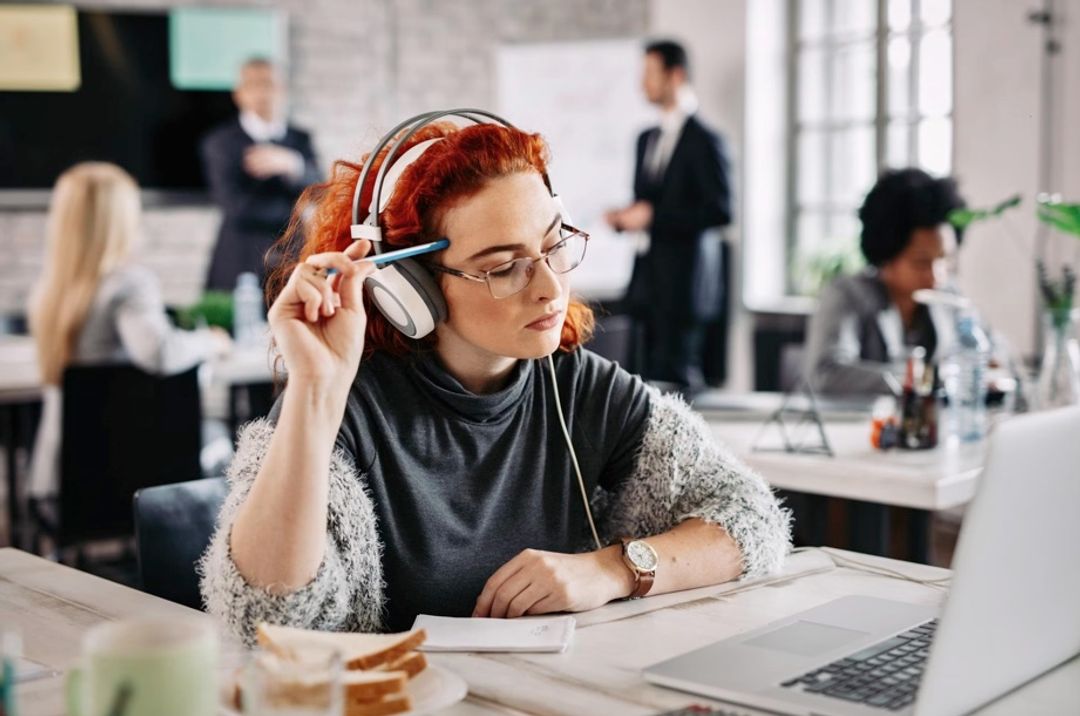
(641, 559)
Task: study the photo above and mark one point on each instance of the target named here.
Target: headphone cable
(573, 455)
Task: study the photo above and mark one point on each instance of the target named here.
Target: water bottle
(965, 379)
(248, 324)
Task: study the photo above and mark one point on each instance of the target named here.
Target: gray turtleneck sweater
(433, 488)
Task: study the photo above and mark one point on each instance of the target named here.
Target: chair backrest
(173, 526)
(613, 339)
(122, 430)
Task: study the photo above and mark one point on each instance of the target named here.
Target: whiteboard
(586, 99)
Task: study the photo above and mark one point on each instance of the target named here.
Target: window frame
(831, 42)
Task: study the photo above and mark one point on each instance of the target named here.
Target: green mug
(147, 667)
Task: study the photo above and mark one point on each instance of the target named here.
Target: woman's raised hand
(319, 323)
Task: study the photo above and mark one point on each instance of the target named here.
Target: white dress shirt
(671, 124)
(260, 130)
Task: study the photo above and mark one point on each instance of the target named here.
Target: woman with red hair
(396, 477)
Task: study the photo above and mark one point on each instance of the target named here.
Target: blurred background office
(814, 98)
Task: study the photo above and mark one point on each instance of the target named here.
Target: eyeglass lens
(515, 275)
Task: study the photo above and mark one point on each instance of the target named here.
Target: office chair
(173, 526)
(122, 430)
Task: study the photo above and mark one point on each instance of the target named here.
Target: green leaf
(1002, 206)
(1062, 216)
(962, 218)
(215, 308)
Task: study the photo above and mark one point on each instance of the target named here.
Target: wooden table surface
(53, 606)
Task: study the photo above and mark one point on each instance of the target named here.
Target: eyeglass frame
(542, 257)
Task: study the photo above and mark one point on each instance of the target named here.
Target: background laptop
(1011, 613)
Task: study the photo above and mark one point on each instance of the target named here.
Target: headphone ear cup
(407, 295)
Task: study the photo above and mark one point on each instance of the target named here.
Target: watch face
(642, 555)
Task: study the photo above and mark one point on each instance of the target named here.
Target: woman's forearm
(693, 554)
(279, 537)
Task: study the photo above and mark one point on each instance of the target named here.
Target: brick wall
(355, 68)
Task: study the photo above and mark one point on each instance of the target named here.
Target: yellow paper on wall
(39, 48)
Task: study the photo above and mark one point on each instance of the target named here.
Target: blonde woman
(94, 305)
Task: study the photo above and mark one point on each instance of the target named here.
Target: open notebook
(542, 634)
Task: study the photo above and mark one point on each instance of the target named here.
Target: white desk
(19, 373)
(20, 381)
(932, 480)
(600, 674)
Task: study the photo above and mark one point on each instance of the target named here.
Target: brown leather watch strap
(644, 584)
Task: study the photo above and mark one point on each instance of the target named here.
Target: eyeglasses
(509, 278)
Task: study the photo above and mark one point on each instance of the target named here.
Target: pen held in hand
(391, 256)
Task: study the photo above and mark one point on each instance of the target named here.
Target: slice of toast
(360, 687)
(370, 686)
(358, 651)
(391, 704)
(412, 663)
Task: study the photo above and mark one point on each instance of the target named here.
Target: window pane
(853, 82)
(809, 232)
(854, 16)
(812, 85)
(899, 77)
(898, 145)
(852, 166)
(843, 226)
(811, 184)
(935, 145)
(935, 73)
(899, 14)
(811, 19)
(935, 12)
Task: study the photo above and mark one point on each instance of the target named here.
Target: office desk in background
(53, 605)
(932, 480)
(867, 480)
(20, 403)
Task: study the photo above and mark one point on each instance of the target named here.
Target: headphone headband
(406, 294)
(369, 228)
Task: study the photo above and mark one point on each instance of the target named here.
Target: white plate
(433, 689)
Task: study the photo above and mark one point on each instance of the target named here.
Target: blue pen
(391, 256)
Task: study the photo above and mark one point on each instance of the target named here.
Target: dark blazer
(254, 211)
(680, 275)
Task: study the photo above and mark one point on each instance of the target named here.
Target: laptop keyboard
(885, 675)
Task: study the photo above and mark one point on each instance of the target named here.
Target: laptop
(1011, 613)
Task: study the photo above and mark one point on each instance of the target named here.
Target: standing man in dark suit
(256, 166)
(681, 191)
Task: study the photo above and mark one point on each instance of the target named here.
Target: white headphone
(405, 292)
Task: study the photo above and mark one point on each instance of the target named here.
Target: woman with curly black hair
(866, 323)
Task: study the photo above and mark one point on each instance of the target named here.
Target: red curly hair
(448, 171)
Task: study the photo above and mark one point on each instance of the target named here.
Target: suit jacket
(254, 211)
(680, 274)
(856, 336)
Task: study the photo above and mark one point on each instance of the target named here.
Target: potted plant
(214, 308)
(1059, 373)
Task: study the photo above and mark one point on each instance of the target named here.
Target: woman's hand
(536, 582)
(318, 323)
(221, 343)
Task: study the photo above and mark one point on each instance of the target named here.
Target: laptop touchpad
(805, 638)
